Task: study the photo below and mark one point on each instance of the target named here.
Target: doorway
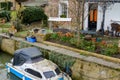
(92, 17)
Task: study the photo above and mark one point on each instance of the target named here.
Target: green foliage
(22, 34)
(32, 14)
(87, 45)
(65, 39)
(5, 14)
(61, 60)
(73, 41)
(47, 36)
(63, 16)
(6, 5)
(110, 50)
(22, 45)
(54, 36)
(13, 15)
(17, 25)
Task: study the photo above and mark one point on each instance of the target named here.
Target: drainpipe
(83, 13)
(103, 20)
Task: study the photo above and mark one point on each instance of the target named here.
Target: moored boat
(28, 64)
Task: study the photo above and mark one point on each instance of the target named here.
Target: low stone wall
(8, 45)
(83, 67)
(83, 70)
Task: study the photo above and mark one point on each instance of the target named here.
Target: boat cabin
(27, 55)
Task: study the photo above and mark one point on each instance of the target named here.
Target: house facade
(93, 13)
(62, 13)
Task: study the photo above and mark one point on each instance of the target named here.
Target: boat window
(49, 74)
(57, 70)
(35, 73)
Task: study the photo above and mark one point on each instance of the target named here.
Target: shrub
(87, 45)
(32, 14)
(110, 50)
(5, 14)
(64, 39)
(17, 25)
(54, 36)
(73, 41)
(47, 36)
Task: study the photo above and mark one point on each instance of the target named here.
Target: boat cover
(26, 55)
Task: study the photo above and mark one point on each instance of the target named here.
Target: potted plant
(63, 16)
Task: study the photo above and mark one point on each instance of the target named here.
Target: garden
(104, 45)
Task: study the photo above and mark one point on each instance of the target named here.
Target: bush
(47, 36)
(32, 14)
(87, 45)
(5, 14)
(110, 50)
(54, 36)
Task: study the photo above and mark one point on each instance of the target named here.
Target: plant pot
(98, 39)
(103, 42)
(31, 39)
(93, 39)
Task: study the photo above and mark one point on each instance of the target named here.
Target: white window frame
(60, 8)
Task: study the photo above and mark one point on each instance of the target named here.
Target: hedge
(32, 14)
(5, 14)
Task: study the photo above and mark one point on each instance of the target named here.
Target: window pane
(57, 71)
(64, 9)
(49, 74)
(35, 73)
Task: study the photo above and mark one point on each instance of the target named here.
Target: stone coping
(86, 56)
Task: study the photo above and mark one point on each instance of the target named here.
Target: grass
(22, 34)
(6, 25)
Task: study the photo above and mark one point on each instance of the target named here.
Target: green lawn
(6, 25)
(22, 34)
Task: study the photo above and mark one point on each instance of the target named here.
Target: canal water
(4, 58)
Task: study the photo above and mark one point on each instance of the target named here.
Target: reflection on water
(4, 58)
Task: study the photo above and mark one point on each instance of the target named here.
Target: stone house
(62, 13)
(92, 17)
(67, 9)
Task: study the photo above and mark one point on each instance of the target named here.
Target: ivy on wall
(20, 45)
(61, 60)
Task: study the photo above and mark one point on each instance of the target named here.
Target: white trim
(58, 19)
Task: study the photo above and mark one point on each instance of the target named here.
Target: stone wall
(8, 45)
(81, 69)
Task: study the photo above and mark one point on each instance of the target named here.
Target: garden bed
(102, 45)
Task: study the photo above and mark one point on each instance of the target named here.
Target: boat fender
(8, 69)
(23, 78)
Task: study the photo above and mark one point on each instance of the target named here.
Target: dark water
(4, 58)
